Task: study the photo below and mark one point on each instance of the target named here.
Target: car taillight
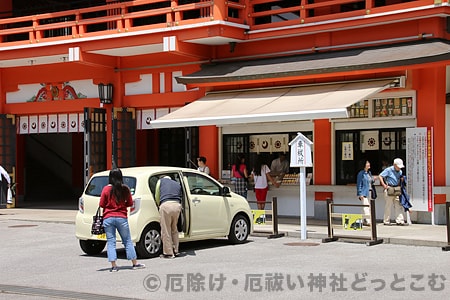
(135, 207)
(81, 205)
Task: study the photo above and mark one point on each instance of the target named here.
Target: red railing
(150, 14)
(265, 14)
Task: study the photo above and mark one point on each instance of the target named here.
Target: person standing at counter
(240, 175)
(261, 176)
(279, 166)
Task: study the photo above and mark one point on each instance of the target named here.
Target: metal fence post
(373, 225)
(447, 218)
(330, 237)
(330, 230)
(275, 220)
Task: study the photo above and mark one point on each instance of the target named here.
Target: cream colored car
(210, 210)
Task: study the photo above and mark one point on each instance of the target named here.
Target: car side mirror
(226, 191)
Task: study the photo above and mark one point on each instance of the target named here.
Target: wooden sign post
(301, 157)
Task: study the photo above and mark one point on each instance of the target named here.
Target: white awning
(272, 105)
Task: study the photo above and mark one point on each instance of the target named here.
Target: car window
(96, 185)
(201, 185)
(131, 183)
(153, 180)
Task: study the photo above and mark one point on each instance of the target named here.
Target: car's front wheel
(239, 230)
(150, 243)
(92, 247)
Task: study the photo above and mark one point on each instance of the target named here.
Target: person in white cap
(390, 179)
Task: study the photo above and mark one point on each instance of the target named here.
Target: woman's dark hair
(258, 165)
(238, 161)
(202, 159)
(119, 190)
(362, 163)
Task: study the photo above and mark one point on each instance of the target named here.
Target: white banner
(43, 124)
(81, 122)
(280, 142)
(73, 122)
(254, 143)
(147, 116)
(419, 171)
(62, 123)
(52, 123)
(264, 143)
(23, 123)
(33, 124)
(388, 141)
(369, 140)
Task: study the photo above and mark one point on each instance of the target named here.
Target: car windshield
(97, 184)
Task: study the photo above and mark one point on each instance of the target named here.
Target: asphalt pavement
(43, 260)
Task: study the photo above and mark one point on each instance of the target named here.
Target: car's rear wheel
(150, 243)
(239, 230)
(92, 247)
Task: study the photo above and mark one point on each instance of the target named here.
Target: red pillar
(431, 97)
(209, 148)
(322, 152)
(220, 10)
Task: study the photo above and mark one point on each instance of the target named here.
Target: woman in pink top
(239, 173)
(115, 200)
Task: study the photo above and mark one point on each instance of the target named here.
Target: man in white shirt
(279, 166)
(202, 167)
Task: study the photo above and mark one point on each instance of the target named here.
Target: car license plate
(101, 236)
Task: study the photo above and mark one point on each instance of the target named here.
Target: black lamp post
(105, 93)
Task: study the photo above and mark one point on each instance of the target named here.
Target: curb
(386, 240)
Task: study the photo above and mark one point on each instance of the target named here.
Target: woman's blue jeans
(121, 225)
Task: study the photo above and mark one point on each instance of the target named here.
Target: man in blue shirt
(389, 178)
(168, 197)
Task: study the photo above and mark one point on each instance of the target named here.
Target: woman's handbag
(97, 223)
(394, 191)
